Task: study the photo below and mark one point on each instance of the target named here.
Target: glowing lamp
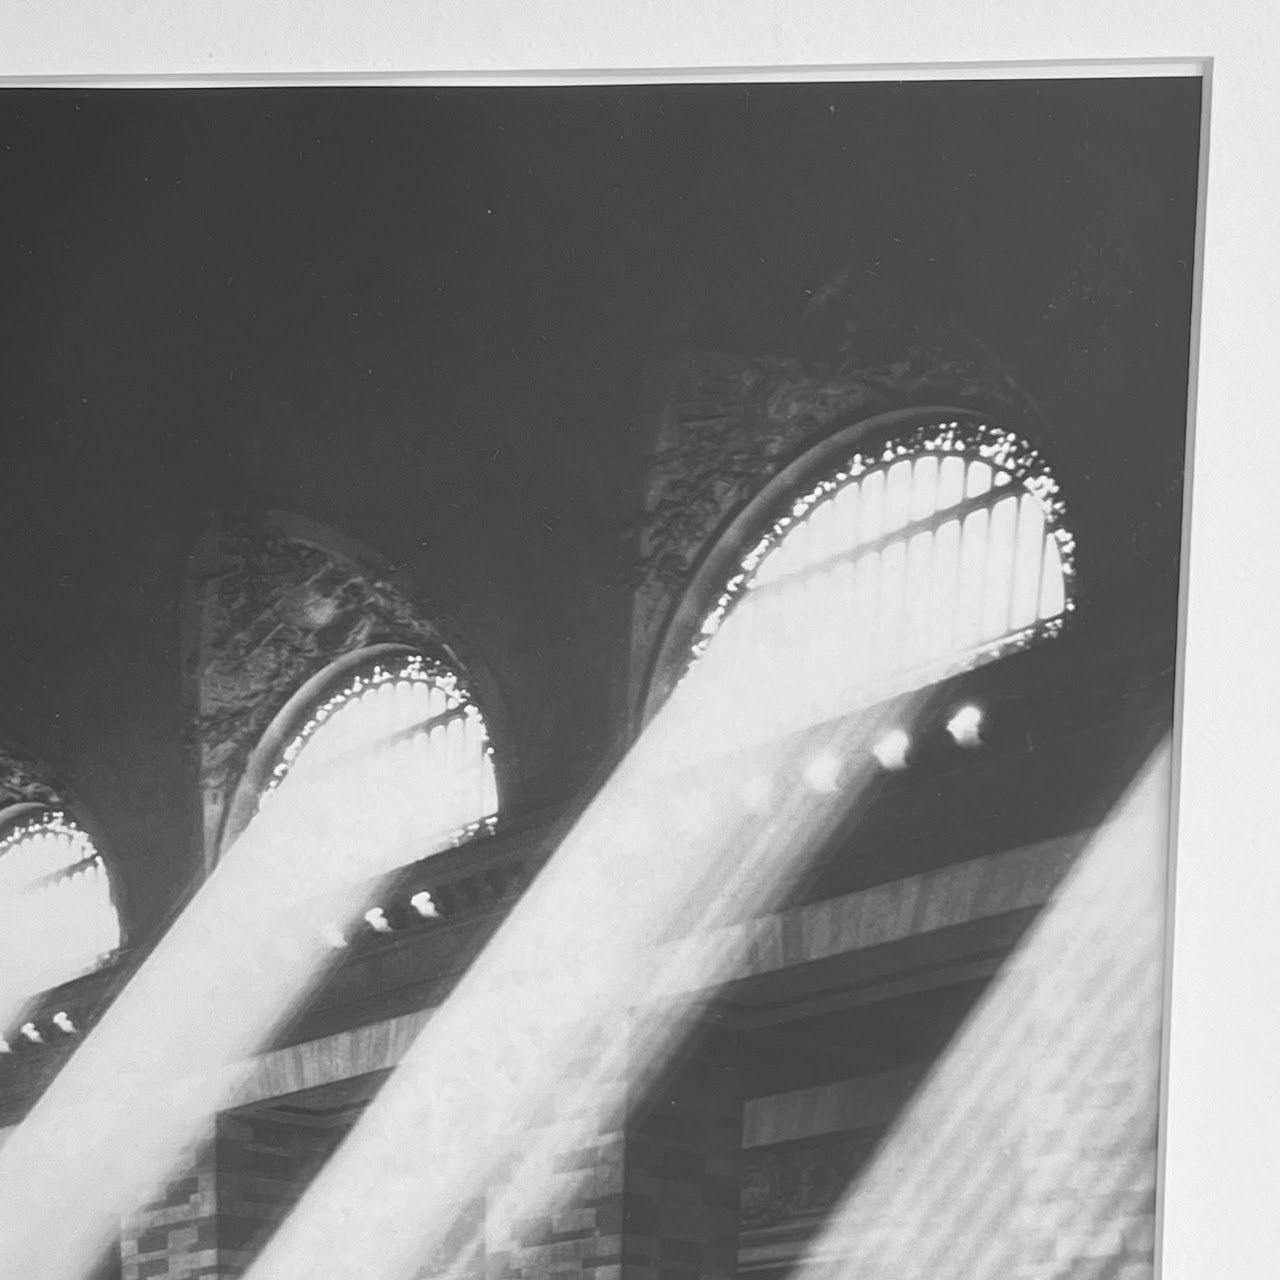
(822, 773)
(334, 936)
(965, 726)
(891, 751)
(62, 1020)
(424, 905)
(32, 1033)
(377, 920)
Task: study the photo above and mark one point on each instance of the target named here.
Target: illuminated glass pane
(916, 567)
(871, 523)
(979, 481)
(823, 642)
(924, 487)
(402, 743)
(897, 496)
(1027, 559)
(845, 507)
(973, 562)
(919, 598)
(866, 592)
(889, 606)
(795, 548)
(950, 482)
(945, 587)
(998, 583)
(57, 918)
(843, 624)
(825, 535)
(1052, 590)
(791, 628)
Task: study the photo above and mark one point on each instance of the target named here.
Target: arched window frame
(319, 697)
(18, 821)
(725, 570)
(242, 725)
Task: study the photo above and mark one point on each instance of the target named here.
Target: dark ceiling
(423, 317)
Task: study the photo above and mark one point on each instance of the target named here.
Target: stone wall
(262, 1167)
(211, 1220)
(24, 782)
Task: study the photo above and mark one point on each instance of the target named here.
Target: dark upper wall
(430, 319)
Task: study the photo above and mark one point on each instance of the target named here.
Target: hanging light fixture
(965, 726)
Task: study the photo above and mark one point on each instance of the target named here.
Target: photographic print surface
(588, 688)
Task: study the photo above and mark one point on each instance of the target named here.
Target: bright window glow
(57, 919)
(403, 740)
(940, 552)
(965, 726)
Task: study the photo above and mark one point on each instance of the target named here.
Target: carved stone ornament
(22, 782)
(796, 1182)
(274, 611)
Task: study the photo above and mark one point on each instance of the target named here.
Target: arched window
(940, 549)
(59, 921)
(390, 765)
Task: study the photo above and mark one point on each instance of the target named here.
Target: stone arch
(26, 780)
(273, 601)
(722, 427)
(33, 799)
(760, 523)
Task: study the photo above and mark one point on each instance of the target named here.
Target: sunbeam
(1029, 1151)
(604, 962)
(141, 1091)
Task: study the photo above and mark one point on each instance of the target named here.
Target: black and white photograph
(589, 676)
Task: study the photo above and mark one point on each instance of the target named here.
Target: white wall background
(1224, 1128)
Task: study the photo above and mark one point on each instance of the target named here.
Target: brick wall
(169, 1239)
(262, 1165)
(209, 1222)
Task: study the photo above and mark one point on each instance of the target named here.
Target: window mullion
(930, 523)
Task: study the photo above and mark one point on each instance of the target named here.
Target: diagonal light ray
(137, 1099)
(445, 1130)
(603, 962)
(1029, 1151)
(140, 1092)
